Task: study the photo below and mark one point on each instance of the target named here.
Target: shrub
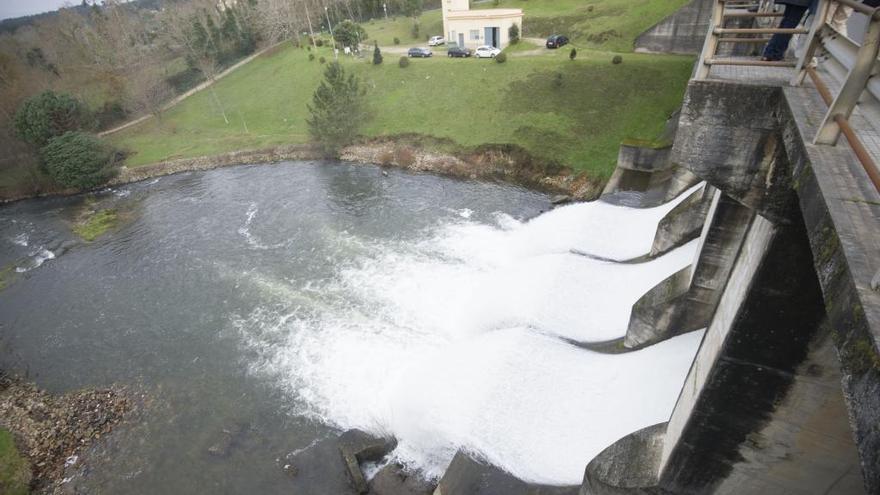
(48, 115)
(319, 42)
(76, 159)
(557, 80)
(513, 34)
(377, 54)
(501, 58)
(617, 59)
(572, 54)
(322, 60)
(311, 57)
(337, 110)
(415, 30)
(309, 47)
(396, 40)
(403, 62)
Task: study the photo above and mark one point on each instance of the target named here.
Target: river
(282, 303)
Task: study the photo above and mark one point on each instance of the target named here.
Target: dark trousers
(775, 49)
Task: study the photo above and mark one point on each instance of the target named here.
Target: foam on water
(454, 341)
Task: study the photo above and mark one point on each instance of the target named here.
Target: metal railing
(857, 64)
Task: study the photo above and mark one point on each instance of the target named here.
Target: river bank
(53, 432)
(506, 163)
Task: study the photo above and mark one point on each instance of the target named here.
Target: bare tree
(208, 67)
(148, 92)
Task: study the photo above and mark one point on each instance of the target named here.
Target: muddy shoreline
(53, 432)
(504, 163)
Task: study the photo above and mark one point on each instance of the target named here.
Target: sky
(18, 8)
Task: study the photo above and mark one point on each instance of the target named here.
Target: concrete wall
(682, 32)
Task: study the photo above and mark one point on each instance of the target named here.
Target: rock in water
(332, 465)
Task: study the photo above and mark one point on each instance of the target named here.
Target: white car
(436, 40)
(486, 51)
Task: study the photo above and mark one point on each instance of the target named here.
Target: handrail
(860, 69)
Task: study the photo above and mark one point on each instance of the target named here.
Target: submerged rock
(333, 465)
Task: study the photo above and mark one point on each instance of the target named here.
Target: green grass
(472, 102)
(14, 471)
(384, 32)
(610, 25)
(96, 224)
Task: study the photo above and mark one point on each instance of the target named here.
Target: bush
(572, 54)
(337, 110)
(319, 42)
(311, 57)
(377, 54)
(403, 62)
(396, 40)
(415, 30)
(513, 34)
(501, 58)
(617, 59)
(322, 60)
(557, 80)
(76, 159)
(48, 115)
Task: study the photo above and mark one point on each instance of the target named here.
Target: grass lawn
(610, 25)
(14, 471)
(578, 118)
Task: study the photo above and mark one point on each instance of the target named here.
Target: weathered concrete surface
(756, 411)
(687, 300)
(684, 222)
(682, 32)
(629, 466)
(468, 476)
(645, 177)
(332, 465)
(729, 136)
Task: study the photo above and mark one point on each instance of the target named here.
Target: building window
(475, 34)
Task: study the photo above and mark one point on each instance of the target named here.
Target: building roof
(483, 14)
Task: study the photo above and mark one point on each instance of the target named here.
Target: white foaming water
(20, 239)
(36, 259)
(454, 341)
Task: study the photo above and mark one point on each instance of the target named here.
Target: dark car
(556, 41)
(458, 51)
(419, 52)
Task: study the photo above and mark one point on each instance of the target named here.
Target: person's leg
(775, 49)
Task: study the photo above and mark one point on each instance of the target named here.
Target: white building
(472, 28)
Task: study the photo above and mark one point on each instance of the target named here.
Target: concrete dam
(773, 167)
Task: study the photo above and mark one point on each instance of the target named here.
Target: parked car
(486, 51)
(458, 51)
(436, 41)
(419, 52)
(557, 40)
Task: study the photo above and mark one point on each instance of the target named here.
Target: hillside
(572, 112)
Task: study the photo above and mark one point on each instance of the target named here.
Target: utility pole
(330, 27)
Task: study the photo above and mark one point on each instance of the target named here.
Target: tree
(348, 33)
(412, 8)
(338, 109)
(148, 93)
(76, 159)
(47, 115)
(377, 54)
(513, 33)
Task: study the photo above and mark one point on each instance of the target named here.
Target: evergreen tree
(338, 109)
(377, 54)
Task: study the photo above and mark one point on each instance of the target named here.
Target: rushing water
(284, 302)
